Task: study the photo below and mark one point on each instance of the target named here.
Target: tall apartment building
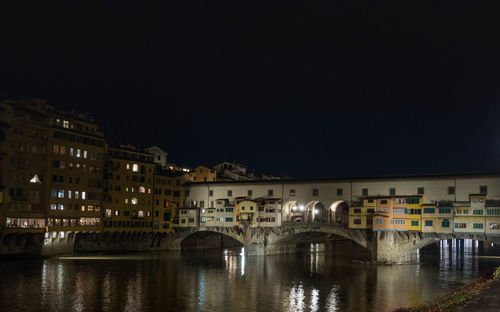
(24, 133)
(74, 176)
(129, 189)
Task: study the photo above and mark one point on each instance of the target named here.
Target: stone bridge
(384, 246)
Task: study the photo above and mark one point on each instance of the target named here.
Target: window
(414, 223)
(364, 192)
(478, 211)
(133, 201)
(378, 221)
(483, 189)
(444, 210)
(140, 214)
(420, 190)
(211, 193)
(357, 221)
(399, 211)
(135, 168)
(400, 200)
(460, 225)
(316, 192)
(78, 153)
(270, 193)
(229, 210)
(383, 202)
(357, 210)
(142, 189)
(292, 192)
(186, 193)
(202, 203)
(451, 190)
(429, 210)
(445, 223)
(84, 195)
(229, 219)
(428, 222)
(60, 194)
(56, 149)
(392, 191)
(478, 225)
(250, 193)
(340, 192)
(229, 193)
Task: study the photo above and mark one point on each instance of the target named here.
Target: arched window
(142, 189)
(133, 201)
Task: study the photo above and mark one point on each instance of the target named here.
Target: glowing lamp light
(316, 211)
(301, 207)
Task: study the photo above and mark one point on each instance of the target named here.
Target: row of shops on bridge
(381, 213)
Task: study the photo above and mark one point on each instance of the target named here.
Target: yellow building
(361, 216)
(414, 213)
(203, 174)
(23, 135)
(165, 204)
(129, 186)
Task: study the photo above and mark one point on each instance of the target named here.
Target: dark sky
(308, 89)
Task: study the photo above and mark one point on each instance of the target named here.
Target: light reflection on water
(321, 279)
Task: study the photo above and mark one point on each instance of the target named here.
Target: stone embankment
(480, 295)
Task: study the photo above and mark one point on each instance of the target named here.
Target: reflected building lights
(242, 254)
(297, 297)
(332, 302)
(314, 300)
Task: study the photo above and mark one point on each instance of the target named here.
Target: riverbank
(478, 295)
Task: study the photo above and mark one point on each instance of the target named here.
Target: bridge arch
(339, 211)
(211, 238)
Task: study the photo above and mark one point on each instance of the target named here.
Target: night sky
(306, 89)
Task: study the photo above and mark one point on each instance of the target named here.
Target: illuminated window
(56, 149)
(140, 214)
(60, 193)
(53, 206)
(84, 195)
(62, 150)
(84, 154)
(135, 167)
(117, 213)
(65, 124)
(142, 189)
(83, 208)
(78, 153)
(128, 166)
(77, 194)
(69, 194)
(133, 201)
(60, 207)
(90, 208)
(149, 191)
(126, 200)
(71, 151)
(108, 213)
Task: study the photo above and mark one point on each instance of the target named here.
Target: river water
(322, 278)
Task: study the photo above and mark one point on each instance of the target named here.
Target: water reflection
(321, 279)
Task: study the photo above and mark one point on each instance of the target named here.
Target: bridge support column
(394, 247)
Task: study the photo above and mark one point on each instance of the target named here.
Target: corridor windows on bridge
(451, 190)
(445, 223)
(211, 193)
(364, 192)
(378, 221)
(357, 221)
(229, 193)
(483, 189)
(270, 193)
(420, 190)
(316, 192)
(202, 203)
(292, 192)
(460, 225)
(340, 192)
(249, 193)
(392, 191)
